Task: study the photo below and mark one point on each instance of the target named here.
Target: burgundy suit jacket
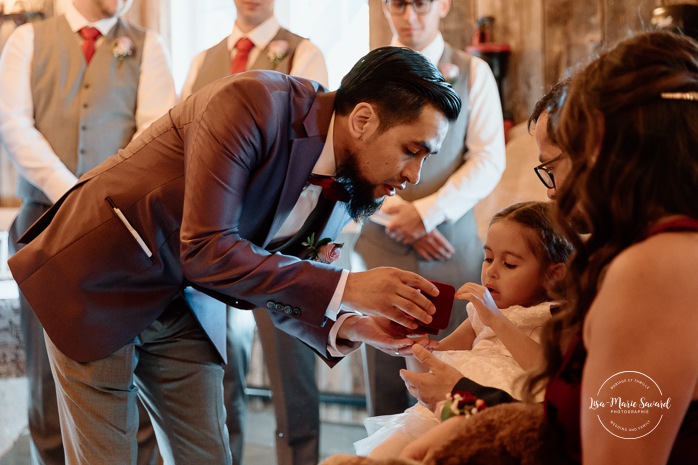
(207, 187)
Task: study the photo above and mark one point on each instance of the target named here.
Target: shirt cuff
(336, 301)
(60, 182)
(429, 210)
(345, 347)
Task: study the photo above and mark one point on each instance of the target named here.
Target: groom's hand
(391, 293)
(382, 334)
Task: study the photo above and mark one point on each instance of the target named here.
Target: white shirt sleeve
(309, 63)
(192, 74)
(336, 349)
(486, 161)
(26, 146)
(156, 88)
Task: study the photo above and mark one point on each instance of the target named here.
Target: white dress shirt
(308, 61)
(486, 160)
(31, 153)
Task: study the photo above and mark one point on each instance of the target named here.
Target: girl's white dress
(488, 363)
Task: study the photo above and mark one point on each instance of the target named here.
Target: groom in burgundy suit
(215, 196)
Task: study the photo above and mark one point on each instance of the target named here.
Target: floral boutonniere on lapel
(123, 47)
(450, 72)
(324, 250)
(277, 51)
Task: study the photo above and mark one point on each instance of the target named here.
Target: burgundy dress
(563, 393)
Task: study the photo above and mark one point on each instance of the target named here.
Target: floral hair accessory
(277, 51)
(324, 250)
(450, 72)
(123, 47)
(461, 403)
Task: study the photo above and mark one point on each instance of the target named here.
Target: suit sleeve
(492, 396)
(229, 143)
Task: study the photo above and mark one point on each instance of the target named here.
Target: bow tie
(331, 188)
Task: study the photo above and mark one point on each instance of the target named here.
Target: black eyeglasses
(397, 7)
(545, 174)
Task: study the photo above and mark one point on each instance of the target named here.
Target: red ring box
(443, 303)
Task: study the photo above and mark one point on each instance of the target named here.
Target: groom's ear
(363, 121)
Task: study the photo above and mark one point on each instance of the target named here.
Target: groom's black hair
(399, 82)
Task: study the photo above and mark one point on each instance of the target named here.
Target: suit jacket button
(279, 307)
(296, 311)
(288, 309)
(271, 305)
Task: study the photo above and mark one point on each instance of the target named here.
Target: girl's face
(512, 271)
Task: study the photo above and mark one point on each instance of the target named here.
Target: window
(339, 28)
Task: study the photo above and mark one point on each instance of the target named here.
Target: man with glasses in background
(430, 228)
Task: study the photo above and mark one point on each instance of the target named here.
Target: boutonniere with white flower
(123, 47)
(461, 403)
(450, 72)
(324, 250)
(277, 51)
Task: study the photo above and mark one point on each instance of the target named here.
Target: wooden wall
(548, 38)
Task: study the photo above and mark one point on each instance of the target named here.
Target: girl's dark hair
(551, 246)
(399, 82)
(634, 160)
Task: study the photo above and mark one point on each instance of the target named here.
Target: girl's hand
(482, 301)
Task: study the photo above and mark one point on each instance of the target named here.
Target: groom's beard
(361, 203)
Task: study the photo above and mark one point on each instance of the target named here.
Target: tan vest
(217, 60)
(86, 113)
(438, 168)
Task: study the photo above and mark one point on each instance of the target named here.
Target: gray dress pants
(46, 445)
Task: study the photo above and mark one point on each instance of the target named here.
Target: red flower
(328, 253)
(461, 403)
(324, 250)
(464, 398)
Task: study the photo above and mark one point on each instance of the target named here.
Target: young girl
(525, 256)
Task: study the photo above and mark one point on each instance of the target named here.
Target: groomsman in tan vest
(73, 90)
(259, 42)
(430, 228)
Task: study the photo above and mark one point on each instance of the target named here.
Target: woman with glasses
(629, 128)
(554, 165)
(621, 376)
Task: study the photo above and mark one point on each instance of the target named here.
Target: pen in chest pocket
(134, 233)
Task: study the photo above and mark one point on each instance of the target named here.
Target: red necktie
(331, 188)
(89, 35)
(243, 48)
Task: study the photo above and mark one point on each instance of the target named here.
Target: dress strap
(680, 224)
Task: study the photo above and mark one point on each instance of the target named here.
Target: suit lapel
(304, 153)
(292, 246)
